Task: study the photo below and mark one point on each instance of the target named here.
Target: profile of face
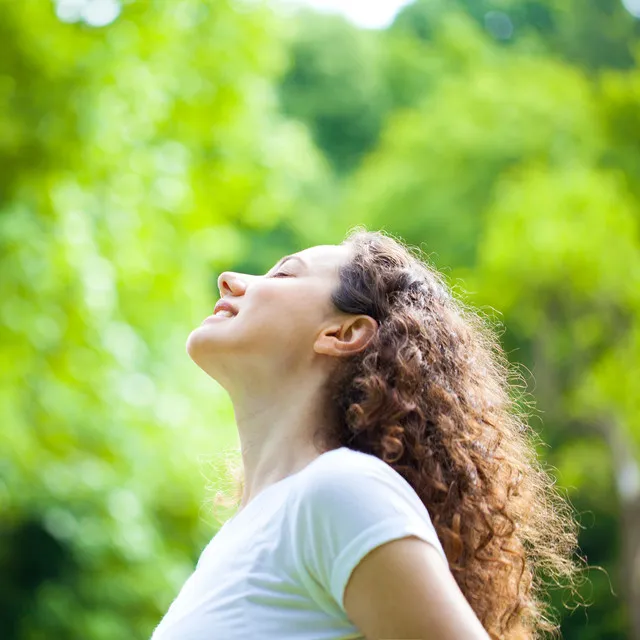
(284, 321)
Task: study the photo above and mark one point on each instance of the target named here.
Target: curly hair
(432, 395)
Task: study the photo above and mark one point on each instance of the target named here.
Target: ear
(348, 338)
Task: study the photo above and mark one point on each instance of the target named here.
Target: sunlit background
(147, 146)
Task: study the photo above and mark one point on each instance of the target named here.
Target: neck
(276, 425)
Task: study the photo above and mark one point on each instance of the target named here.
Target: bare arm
(403, 590)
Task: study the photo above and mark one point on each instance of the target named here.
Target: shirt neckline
(278, 483)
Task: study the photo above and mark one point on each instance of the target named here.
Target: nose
(230, 283)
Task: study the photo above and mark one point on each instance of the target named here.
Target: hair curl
(432, 396)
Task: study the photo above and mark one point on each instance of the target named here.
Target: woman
(390, 488)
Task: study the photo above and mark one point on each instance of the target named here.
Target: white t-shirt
(279, 568)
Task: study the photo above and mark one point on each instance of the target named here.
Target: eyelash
(280, 274)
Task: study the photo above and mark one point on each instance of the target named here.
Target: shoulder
(350, 494)
(345, 472)
(348, 504)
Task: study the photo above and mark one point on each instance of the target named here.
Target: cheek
(271, 298)
(293, 312)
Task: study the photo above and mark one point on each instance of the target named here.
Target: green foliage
(335, 85)
(140, 159)
(517, 173)
(593, 35)
(135, 160)
(345, 83)
(439, 163)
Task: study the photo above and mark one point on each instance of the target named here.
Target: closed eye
(281, 274)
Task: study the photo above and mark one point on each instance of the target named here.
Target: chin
(196, 344)
(203, 345)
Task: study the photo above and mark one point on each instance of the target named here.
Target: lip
(226, 306)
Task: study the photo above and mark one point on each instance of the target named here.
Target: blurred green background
(145, 146)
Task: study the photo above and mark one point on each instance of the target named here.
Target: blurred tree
(439, 162)
(593, 35)
(344, 82)
(139, 159)
(619, 104)
(514, 171)
(560, 257)
(135, 159)
(334, 85)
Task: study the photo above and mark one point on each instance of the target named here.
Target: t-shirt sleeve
(344, 514)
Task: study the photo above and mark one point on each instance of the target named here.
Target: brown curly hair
(433, 396)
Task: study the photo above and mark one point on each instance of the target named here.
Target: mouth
(225, 309)
(222, 311)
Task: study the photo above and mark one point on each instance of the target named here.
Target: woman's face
(279, 317)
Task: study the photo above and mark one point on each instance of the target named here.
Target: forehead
(325, 258)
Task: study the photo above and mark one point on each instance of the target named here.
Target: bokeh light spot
(633, 7)
(96, 13)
